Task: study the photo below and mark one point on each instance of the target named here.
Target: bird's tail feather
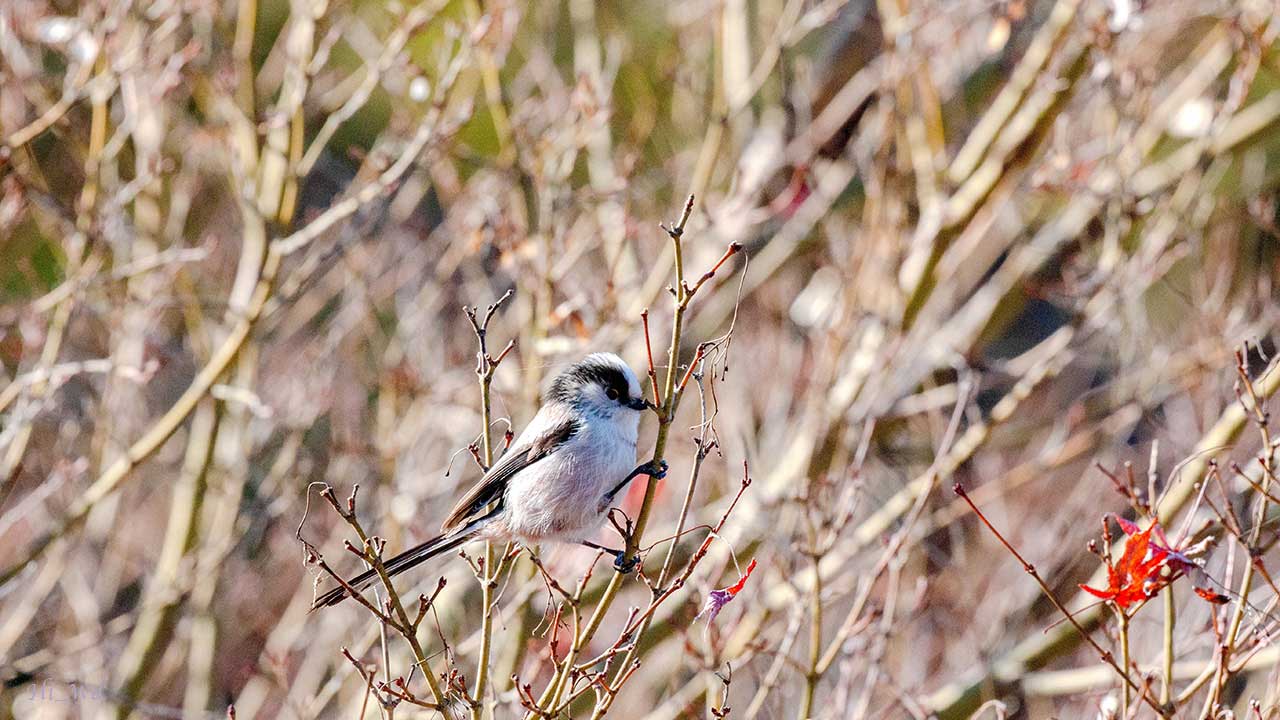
(406, 560)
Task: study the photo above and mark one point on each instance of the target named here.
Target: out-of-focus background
(1013, 244)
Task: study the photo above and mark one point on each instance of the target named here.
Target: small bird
(559, 478)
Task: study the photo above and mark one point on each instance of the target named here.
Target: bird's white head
(600, 384)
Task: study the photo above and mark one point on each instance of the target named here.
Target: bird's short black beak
(639, 404)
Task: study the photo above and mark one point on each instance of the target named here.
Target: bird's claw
(624, 564)
(656, 470)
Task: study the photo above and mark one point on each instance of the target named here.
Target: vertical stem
(815, 642)
(1123, 622)
(1267, 460)
(670, 398)
(242, 49)
(97, 141)
(486, 365)
(665, 573)
(164, 598)
(1169, 618)
(698, 459)
(490, 576)
(667, 409)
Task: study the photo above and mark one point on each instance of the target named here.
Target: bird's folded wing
(493, 485)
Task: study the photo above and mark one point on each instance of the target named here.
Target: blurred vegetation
(1010, 244)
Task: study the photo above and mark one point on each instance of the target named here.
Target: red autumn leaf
(1212, 596)
(1137, 575)
(1178, 559)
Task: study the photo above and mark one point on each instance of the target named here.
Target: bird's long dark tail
(406, 560)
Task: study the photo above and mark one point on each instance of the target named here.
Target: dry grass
(1025, 246)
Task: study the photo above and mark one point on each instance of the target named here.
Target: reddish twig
(648, 348)
(697, 358)
(1105, 655)
(729, 252)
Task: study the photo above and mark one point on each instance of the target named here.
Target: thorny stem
(704, 447)
(672, 393)
(1240, 473)
(365, 674)
(551, 696)
(486, 366)
(640, 619)
(698, 458)
(1261, 418)
(372, 555)
(1105, 655)
(667, 406)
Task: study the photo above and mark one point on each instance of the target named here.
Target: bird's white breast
(562, 496)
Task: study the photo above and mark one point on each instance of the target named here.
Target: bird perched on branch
(558, 480)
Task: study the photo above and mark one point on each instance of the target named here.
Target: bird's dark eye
(611, 394)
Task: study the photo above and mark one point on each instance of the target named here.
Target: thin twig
(1104, 655)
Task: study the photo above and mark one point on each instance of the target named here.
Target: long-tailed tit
(559, 478)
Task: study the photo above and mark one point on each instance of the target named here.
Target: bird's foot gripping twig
(621, 562)
(624, 564)
(656, 469)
